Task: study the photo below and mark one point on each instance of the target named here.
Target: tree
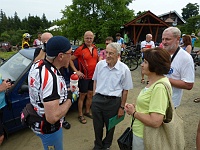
(102, 17)
(190, 10)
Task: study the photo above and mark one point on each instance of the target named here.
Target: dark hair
(118, 34)
(187, 40)
(109, 38)
(159, 60)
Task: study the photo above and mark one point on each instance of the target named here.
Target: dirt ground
(81, 136)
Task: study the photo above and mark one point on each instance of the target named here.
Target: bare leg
(88, 101)
(80, 103)
(198, 137)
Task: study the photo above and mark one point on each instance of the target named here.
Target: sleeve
(142, 45)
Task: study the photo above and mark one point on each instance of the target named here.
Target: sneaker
(66, 125)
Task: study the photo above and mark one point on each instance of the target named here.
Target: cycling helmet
(26, 35)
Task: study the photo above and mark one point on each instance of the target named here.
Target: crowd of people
(104, 82)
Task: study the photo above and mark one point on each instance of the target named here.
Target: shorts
(53, 141)
(85, 85)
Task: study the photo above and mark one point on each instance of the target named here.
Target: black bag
(125, 140)
(29, 116)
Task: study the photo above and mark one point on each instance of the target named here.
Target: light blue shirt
(112, 81)
(2, 96)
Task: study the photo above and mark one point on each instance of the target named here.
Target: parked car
(5, 46)
(17, 68)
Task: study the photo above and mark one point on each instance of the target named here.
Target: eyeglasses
(70, 53)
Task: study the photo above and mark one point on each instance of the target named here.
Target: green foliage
(190, 10)
(7, 55)
(12, 28)
(197, 43)
(102, 17)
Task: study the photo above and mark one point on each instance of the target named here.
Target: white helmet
(26, 35)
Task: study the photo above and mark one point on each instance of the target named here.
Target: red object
(74, 77)
(147, 46)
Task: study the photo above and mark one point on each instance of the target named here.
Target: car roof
(28, 52)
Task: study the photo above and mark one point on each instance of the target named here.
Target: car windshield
(14, 67)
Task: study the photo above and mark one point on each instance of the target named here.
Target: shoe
(82, 119)
(88, 115)
(197, 100)
(66, 125)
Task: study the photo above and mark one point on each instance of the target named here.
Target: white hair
(116, 46)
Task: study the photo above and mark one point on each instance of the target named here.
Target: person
(187, 44)
(112, 80)
(25, 40)
(198, 137)
(40, 54)
(38, 42)
(87, 55)
(152, 101)
(126, 38)
(181, 40)
(194, 38)
(4, 85)
(181, 74)
(120, 40)
(102, 54)
(48, 92)
(146, 44)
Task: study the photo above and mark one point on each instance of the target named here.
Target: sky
(52, 8)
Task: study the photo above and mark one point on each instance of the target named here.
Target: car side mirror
(23, 89)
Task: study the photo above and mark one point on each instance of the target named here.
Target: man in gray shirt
(112, 80)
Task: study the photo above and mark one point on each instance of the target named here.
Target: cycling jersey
(86, 60)
(45, 84)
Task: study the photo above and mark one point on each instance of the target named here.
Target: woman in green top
(152, 101)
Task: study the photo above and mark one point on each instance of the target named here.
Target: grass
(7, 55)
(197, 43)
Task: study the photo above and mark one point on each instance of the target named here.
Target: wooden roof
(144, 24)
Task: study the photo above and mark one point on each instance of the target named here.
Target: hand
(80, 74)
(129, 108)
(5, 85)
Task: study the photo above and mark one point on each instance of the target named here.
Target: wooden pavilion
(144, 24)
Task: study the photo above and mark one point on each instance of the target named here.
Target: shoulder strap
(170, 109)
(175, 54)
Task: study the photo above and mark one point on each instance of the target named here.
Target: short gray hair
(116, 46)
(175, 31)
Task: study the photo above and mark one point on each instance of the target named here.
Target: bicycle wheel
(131, 62)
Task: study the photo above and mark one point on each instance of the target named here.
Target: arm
(181, 84)
(71, 63)
(54, 111)
(152, 119)
(5, 85)
(123, 101)
(189, 49)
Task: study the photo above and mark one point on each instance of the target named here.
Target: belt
(106, 96)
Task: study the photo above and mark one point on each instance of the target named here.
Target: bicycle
(130, 57)
(196, 58)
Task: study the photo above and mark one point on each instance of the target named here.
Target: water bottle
(74, 82)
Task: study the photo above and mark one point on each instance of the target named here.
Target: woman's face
(145, 67)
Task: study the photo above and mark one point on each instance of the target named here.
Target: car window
(14, 67)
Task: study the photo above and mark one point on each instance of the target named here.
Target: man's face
(111, 55)
(67, 58)
(149, 38)
(169, 41)
(108, 42)
(88, 38)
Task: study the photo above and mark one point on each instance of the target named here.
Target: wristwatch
(122, 107)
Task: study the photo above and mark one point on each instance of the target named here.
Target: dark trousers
(103, 109)
(1, 122)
